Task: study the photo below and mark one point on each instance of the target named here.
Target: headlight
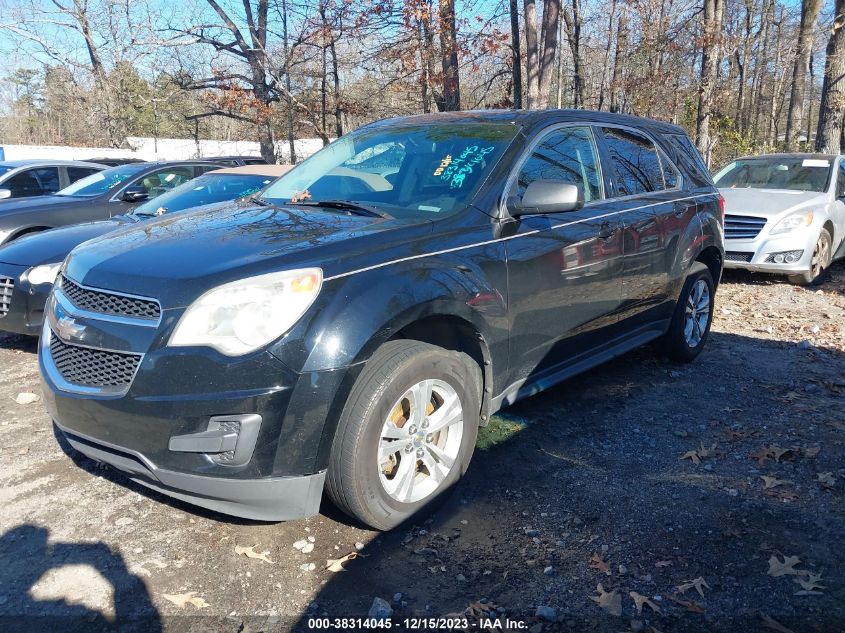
(44, 274)
(242, 316)
(792, 222)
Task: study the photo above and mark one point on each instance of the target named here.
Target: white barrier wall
(160, 149)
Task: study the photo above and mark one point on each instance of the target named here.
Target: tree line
(742, 76)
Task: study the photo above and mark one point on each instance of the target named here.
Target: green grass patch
(500, 430)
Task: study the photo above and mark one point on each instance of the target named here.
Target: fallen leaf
(24, 450)
(598, 563)
(640, 600)
(689, 605)
(810, 585)
(663, 563)
(826, 479)
(783, 495)
(698, 583)
(250, 552)
(769, 623)
(609, 601)
(770, 452)
(787, 567)
(700, 453)
(770, 481)
(811, 451)
(336, 564)
(181, 600)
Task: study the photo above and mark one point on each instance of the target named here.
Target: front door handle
(606, 230)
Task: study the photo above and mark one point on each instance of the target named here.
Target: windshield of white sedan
(403, 171)
(793, 173)
(102, 181)
(207, 189)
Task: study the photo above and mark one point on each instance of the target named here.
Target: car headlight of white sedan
(792, 222)
(245, 315)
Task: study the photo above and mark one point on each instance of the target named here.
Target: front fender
(357, 313)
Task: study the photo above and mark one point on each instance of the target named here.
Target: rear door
(564, 285)
(647, 192)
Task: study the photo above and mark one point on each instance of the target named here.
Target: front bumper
(26, 306)
(267, 499)
(752, 254)
(172, 400)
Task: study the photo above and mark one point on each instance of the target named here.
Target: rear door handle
(606, 230)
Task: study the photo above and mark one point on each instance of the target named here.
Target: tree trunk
(621, 46)
(449, 54)
(713, 10)
(291, 143)
(605, 67)
(516, 56)
(771, 135)
(533, 62)
(574, 22)
(548, 32)
(804, 48)
(832, 108)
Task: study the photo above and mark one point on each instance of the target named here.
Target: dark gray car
(38, 177)
(99, 196)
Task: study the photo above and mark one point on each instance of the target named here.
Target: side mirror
(135, 193)
(5, 193)
(547, 196)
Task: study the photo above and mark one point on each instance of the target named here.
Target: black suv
(353, 327)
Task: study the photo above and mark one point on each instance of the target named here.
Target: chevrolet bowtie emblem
(68, 329)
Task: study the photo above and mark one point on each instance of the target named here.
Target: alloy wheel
(697, 313)
(420, 441)
(821, 255)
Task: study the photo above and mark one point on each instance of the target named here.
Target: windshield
(4, 169)
(102, 181)
(794, 173)
(207, 189)
(409, 171)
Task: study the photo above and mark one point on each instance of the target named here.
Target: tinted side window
(568, 155)
(688, 159)
(163, 180)
(840, 180)
(34, 182)
(634, 158)
(78, 173)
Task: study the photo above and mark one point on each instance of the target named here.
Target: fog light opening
(779, 258)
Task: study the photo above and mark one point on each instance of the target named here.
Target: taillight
(722, 208)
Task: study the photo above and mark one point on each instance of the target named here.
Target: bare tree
(713, 13)
(516, 55)
(803, 49)
(832, 107)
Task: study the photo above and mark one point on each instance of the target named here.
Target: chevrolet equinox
(352, 327)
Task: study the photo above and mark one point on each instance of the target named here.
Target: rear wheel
(691, 321)
(818, 263)
(407, 432)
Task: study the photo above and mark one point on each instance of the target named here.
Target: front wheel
(407, 432)
(691, 321)
(820, 261)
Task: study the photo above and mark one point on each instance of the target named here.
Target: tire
(822, 254)
(679, 343)
(383, 489)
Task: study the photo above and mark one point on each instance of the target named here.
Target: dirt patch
(641, 476)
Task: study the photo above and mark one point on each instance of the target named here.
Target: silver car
(35, 177)
(784, 214)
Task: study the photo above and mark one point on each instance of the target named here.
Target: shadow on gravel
(833, 279)
(19, 342)
(591, 467)
(43, 582)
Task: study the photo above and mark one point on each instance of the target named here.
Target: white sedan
(784, 214)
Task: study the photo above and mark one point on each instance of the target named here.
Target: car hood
(178, 258)
(52, 246)
(769, 203)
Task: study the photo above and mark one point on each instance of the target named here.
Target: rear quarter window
(686, 156)
(635, 162)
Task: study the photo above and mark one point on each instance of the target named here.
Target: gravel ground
(686, 489)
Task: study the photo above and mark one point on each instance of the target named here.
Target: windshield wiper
(260, 201)
(347, 205)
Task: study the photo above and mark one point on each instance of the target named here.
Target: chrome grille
(109, 303)
(735, 256)
(743, 227)
(7, 285)
(91, 367)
